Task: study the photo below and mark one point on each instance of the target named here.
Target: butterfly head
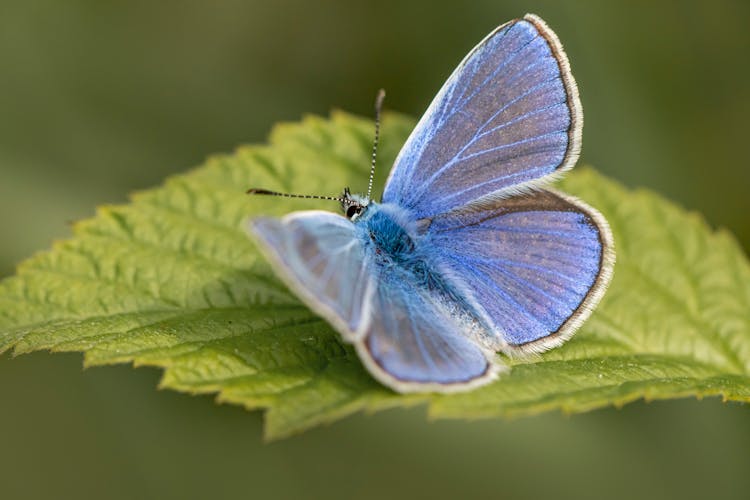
(353, 205)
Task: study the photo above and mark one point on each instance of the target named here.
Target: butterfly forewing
(322, 260)
(508, 117)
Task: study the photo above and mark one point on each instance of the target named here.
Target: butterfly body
(390, 232)
(469, 253)
(401, 251)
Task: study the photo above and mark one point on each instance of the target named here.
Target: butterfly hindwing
(417, 342)
(536, 264)
(508, 117)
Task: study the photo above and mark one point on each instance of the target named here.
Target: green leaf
(172, 280)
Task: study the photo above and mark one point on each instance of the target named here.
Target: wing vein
(419, 192)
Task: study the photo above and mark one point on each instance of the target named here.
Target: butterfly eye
(352, 211)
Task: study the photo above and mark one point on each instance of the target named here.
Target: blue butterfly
(468, 254)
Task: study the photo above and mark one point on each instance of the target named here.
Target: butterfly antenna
(378, 107)
(288, 195)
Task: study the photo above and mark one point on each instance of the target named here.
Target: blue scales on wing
(508, 117)
(417, 341)
(323, 261)
(408, 335)
(536, 264)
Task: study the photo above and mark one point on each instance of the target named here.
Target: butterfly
(468, 254)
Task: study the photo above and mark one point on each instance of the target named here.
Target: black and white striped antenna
(291, 195)
(378, 108)
(340, 199)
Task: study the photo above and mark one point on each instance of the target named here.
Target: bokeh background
(98, 99)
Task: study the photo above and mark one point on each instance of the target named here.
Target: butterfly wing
(321, 259)
(536, 265)
(407, 337)
(508, 118)
(417, 342)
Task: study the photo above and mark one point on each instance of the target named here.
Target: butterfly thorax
(389, 231)
(399, 247)
(386, 229)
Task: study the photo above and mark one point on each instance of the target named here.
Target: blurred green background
(98, 99)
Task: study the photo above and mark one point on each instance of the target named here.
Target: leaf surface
(172, 280)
